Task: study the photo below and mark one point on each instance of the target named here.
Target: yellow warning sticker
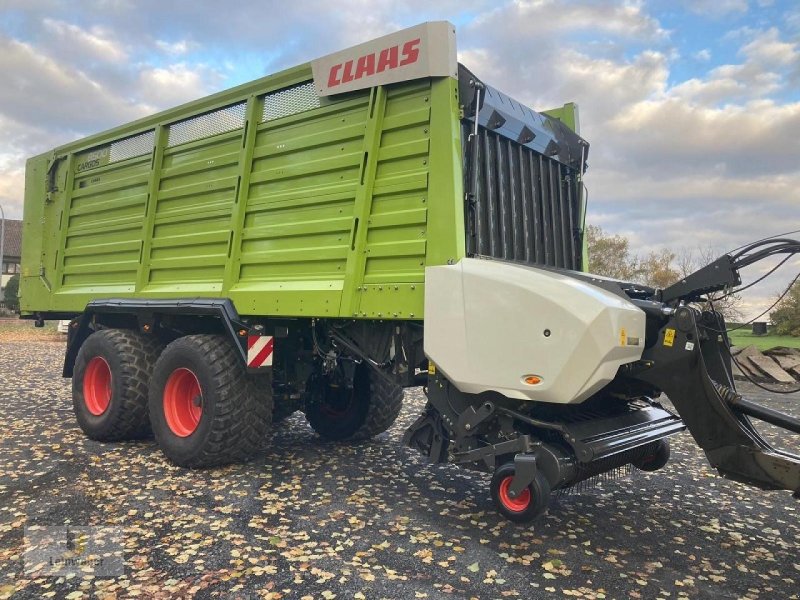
(623, 337)
(431, 368)
(669, 337)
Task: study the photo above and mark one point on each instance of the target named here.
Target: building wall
(10, 267)
(11, 252)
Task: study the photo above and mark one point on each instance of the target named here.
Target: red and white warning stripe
(259, 351)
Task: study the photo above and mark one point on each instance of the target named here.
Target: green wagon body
(287, 203)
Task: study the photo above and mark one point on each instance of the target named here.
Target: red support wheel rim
(97, 386)
(183, 402)
(518, 504)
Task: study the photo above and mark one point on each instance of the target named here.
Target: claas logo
(376, 62)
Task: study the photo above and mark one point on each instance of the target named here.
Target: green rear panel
(287, 203)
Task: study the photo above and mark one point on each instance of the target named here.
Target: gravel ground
(310, 519)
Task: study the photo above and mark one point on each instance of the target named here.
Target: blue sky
(708, 40)
(692, 107)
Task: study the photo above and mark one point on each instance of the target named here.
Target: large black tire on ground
(127, 359)
(364, 411)
(235, 409)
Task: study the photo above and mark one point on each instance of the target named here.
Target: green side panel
(103, 229)
(297, 223)
(446, 188)
(287, 203)
(392, 246)
(41, 234)
(567, 114)
(193, 204)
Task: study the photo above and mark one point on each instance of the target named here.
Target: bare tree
(690, 260)
(611, 255)
(658, 270)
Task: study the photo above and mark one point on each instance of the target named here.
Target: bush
(786, 316)
(11, 293)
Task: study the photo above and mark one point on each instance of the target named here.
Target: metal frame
(147, 314)
(687, 363)
(485, 429)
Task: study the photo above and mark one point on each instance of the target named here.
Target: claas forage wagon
(321, 238)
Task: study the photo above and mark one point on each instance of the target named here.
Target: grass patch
(744, 337)
(17, 330)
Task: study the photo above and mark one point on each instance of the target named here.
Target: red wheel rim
(183, 402)
(517, 504)
(97, 386)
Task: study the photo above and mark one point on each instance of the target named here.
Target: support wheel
(655, 460)
(370, 407)
(109, 384)
(204, 408)
(529, 504)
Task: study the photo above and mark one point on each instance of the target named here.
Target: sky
(692, 107)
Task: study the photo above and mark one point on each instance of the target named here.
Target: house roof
(13, 239)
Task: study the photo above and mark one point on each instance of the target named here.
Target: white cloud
(792, 19)
(768, 50)
(42, 91)
(703, 55)
(716, 8)
(768, 61)
(76, 83)
(93, 44)
(626, 19)
(178, 48)
(174, 84)
(12, 181)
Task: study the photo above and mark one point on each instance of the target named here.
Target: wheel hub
(97, 386)
(516, 502)
(183, 402)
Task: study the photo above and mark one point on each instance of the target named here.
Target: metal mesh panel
(290, 101)
(136, 145)
(219, 121)
(526, 207)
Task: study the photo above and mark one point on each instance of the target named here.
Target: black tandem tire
(204, 408)
(364, 411)
(656, 460)
(531, 502)
(109, 384)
